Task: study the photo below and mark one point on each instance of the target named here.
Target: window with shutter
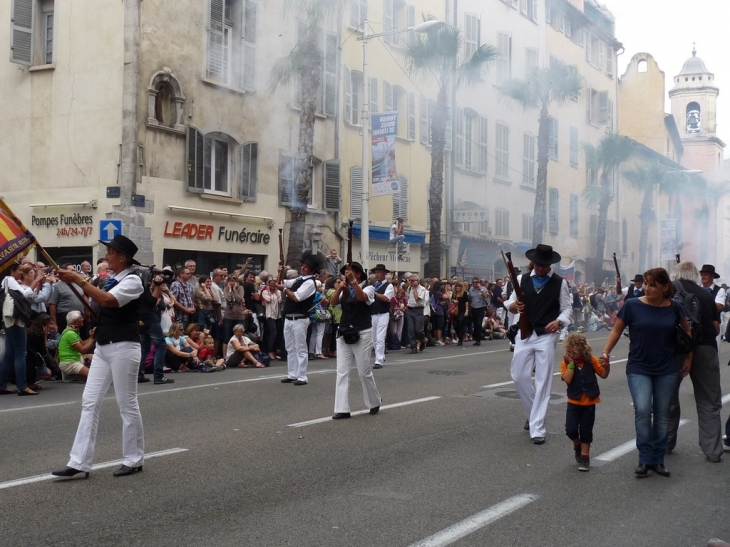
(48, 37)
(329, 76)
(609, 121)
(347, 93)
(287, 176)
(411, 100)
(504, 63)
(216, 26)
(471, 34)
(21, 32)
(502, 152)
(609, 61)
(249, 171)
(250, 15)
(528, 161)
(601, 54)
(553, 207)
(526, 226)
(358, 13)
(388, 97)
(530, 60)
(400, 106)
(388, 20)
(573, 215)
(459, 149)
(400, 199)
(331, 174)
(356, 191)
(195, 162)
(554, 139)
(603, 107)
(501, 223)
(356, 107)
(374, 107)
(573, 146)
(410, 23)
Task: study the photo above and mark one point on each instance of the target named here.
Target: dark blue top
(651, 335)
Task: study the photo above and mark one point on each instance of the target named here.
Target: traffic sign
(109, 228)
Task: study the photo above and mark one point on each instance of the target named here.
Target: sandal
(260, 365)
(243, 366)
(320, 356)
(35, 387)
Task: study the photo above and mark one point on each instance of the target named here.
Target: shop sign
(191, 230)
(375, 257)
(75, 225)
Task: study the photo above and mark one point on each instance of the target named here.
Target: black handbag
(350, 336)
(683, 342)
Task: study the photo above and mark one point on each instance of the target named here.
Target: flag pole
(51, 262)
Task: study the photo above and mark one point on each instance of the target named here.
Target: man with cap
(708, 276)
(299, 293)
(635, 290)
(548, 305)
(380, 310)
(354, 340)
(116, 360)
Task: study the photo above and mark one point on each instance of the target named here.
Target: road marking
(37, 406)
(384, 407)
(475, 522)
(726, 398)
(623, 449)
(104, 465)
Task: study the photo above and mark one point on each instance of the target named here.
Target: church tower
(694, 106)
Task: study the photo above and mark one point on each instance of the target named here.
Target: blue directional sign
(108, 229)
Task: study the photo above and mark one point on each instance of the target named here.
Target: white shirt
(128, 288)
(720, 296)
(305, 290)
(422, 295)
(566, 300)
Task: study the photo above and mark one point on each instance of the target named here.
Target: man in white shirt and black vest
(636, 289)
(299, 293)
(380, 310)
(548, 306)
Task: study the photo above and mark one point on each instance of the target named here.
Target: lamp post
(424, 27)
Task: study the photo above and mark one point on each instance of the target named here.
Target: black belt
(295, 317)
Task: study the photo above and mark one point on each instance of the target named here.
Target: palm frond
(471, 71)
(591, 195)
(520, 93)
(563, 82)
(646, 176)
(590, 153)
(316, 13)
(283, 71)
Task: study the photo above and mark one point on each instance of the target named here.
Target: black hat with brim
(638, 277)
(354, 266)
(709, 268)
(123, 245)
(379, 268)
(312, 260)
(543, 254)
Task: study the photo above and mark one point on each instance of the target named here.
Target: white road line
(623, 449)
(475, 522)
(104, 465)
(384, 407)
(38, 406)
(726, 398)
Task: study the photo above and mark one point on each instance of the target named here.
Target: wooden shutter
(471, 34)
(400, 199)
(358, 13)
(609, 61)
(425, 137)
(250, 14)
(215, 40)
(331, 173)
(410, 23)
(347, 93)
(388, 20)
(483, 135)
(411, 105)
(287, 176)
(589, 105)
(601, 54)
(249, 171)
(459, 149)
(355, 191)
(21, 32)
(329, 75)
(589, 47)
(388, 97)
(553, 213)
(374, 95)
(609, 121)
(603, 107)
(194, 160)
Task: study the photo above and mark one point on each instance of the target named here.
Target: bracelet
(571, 366)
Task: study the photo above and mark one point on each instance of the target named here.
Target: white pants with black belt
(359, 355)
(117, 363)
(540, 352)
(380, 333)
(295, 339)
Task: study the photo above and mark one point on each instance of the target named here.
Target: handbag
(16, 307)
(323, 315)
(350, 335)
(683, 342)
(453, 309)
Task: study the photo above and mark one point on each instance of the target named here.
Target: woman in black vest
(116, 359)
(354, 340)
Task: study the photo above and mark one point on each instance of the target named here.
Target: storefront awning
(383, 234)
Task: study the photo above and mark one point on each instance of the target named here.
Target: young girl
(579, 370)
(206, 354)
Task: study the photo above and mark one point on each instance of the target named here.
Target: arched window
(165, 102)
(693, 117)
(643, 66)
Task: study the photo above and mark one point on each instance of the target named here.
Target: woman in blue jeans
(652, 365)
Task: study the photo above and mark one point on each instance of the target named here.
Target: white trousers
(295, 340)
(380, 333)
(112, 363)
(315, 340)
(537, 351)
(359, 355)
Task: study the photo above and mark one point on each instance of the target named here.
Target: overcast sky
(666, 29)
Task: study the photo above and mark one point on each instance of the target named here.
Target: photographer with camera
(151, 307)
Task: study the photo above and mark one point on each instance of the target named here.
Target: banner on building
(385, 174)
(668, 239)
(15, 241)
(566, 272)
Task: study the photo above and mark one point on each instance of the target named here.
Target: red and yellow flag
(14, 240)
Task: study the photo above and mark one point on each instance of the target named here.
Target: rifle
(280, 280)
(618, 275)
(677, 257)
(349, 242)
(525, 328)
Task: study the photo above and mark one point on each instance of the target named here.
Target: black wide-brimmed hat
(354, 266)
(125, 246)
(638, 277)
(379, 268)
(312, 260)
(709, 268)
(543, 254)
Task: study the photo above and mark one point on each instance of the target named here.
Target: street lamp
(425, 27)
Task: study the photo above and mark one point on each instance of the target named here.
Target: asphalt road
(449, 460)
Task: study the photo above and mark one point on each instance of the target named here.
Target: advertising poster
(385, 175)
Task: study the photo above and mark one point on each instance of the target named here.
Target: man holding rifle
(547, 304)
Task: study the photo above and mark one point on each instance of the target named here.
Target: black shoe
(164, 380)
(527, 425)
(584, 464)
(422, 347)
(341, 416)
(70, 472)
(578, 457)
(478, 343)
(142, 380)
(375, 409)
(300, 383)
(414, 350)
(538, 440)
(460, 343)
(377, 365)
(123, 471)
(288, 380)
(659, 469)
(641, 470)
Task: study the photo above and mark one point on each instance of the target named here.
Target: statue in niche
(693, 121)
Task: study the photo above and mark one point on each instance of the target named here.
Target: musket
(677, 257)
(525, 328)
(618, 275)
(349, 242)
(281, 256)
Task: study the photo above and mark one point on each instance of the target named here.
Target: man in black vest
(299, 293)
(548, 306)
(116, 360)
(636, 289)
(380, 311)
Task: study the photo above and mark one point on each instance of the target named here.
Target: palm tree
(710, 195)
(604, 160)
(303, 64)
(543, 88)
(439, 57)
(646, 178)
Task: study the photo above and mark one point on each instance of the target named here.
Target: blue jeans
(152, 334)
(16, 348)
(652, 396)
